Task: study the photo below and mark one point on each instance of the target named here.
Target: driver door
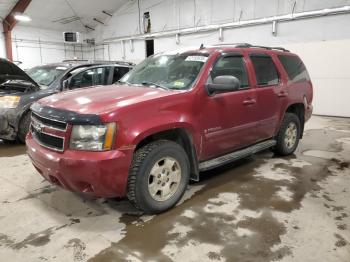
(229, 119)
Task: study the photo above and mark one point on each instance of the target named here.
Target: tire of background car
(288, 136)
(23, 127)
(158, 176)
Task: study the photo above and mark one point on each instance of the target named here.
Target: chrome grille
(50, 122)
(48, 133)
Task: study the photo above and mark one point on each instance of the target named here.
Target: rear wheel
(158, 176)
(288, 135)
(23, 127)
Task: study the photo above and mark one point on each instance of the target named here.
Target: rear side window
(233, 66)
(119, 72)
(295, 68)
(265, 70)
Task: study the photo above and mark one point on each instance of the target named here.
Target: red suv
(171, 117)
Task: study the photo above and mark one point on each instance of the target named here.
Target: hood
(103, 99)
(9, 71)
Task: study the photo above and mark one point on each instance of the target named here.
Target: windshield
(45, 75)
(167, 71)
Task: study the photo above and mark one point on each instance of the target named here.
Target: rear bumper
(100, 174)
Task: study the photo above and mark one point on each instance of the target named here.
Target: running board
(222, 160)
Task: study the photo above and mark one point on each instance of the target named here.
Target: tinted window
(295, 68)
(90, 77)
(233, 66)
(265, 70)
(101, 76)
(119, 72)
(82, 79)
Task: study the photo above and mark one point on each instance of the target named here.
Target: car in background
(19, 89)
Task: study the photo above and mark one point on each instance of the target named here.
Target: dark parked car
(19, 89)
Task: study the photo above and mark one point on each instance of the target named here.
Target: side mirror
(223, 84)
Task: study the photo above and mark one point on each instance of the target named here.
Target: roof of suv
(228, 47)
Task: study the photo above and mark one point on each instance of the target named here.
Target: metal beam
(10, 22)
(237, 24)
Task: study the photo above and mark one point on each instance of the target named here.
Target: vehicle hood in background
(9, 71)
(102, 99)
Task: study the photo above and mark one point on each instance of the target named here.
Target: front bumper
(100, 174)
(7, 123)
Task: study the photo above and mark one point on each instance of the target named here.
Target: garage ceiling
(5, 7)
(65, 15)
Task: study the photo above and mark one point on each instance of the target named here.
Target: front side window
(232, 66)
(295, 68)
(265, 70)
(175, 71)
(101, 76)
(90, 77)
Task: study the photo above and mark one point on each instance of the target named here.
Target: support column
(10, 22)
(8, 44)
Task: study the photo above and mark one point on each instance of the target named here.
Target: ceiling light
(22, 18)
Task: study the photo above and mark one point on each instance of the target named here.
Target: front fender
(136, 128)
(161, 128)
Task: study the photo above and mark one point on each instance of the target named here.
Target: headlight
(93, 138)
(9, 101)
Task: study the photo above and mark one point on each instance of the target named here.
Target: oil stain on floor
(263, 208)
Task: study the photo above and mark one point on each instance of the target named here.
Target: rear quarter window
(295, 68)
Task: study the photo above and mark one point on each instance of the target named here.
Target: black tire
(23, 127)
(144, 160)
(284, 148)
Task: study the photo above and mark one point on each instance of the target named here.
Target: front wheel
(158, 177)
(288, 135)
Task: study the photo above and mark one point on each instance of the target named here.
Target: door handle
(282, 94)
(249, 102)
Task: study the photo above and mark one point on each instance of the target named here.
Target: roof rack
(74, 60)
(119, 62)
(98, 61)
(247, 45)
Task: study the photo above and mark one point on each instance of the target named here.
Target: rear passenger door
(271, 94)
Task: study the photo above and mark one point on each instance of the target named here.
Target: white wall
(321, 42)
(35, 46)
(328, 64)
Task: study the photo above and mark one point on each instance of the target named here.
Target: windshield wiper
(148, 83)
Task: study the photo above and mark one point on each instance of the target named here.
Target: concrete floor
(263, 208)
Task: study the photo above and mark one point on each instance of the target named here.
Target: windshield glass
(45, 75)
(167, 71)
